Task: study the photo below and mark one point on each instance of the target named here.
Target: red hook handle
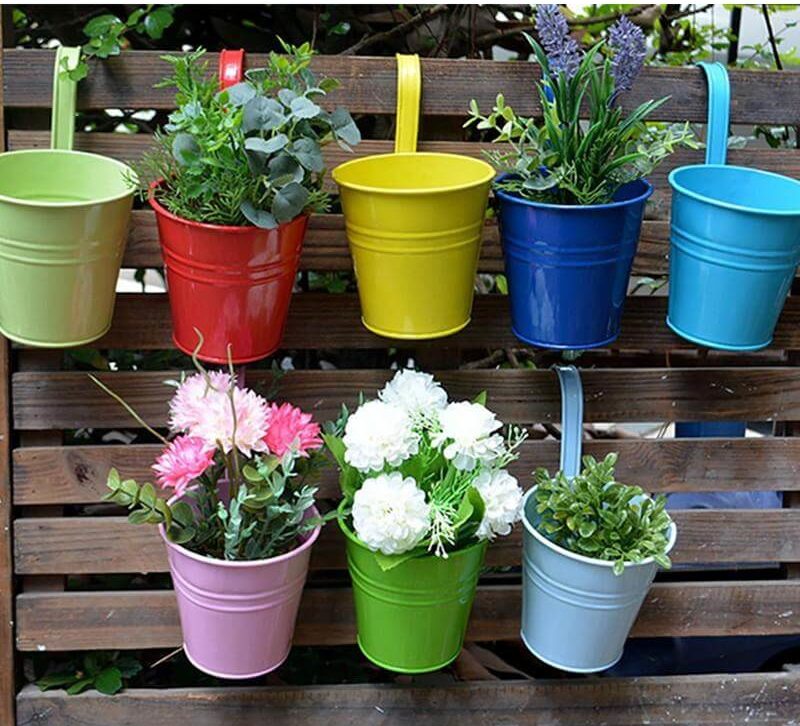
(231, 68)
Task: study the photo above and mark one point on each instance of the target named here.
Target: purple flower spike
(563, 52)
(627, 41)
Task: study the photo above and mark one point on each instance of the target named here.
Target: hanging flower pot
(415, 223)
(232, 181)
(572, 195)
(568, 266)
(734, 241)
(591, 549)
(64, 216)
(425, 488)
(239, 524)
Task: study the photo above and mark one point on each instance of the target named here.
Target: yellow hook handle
(409, 91)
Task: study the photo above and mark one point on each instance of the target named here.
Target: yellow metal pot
(414, 222)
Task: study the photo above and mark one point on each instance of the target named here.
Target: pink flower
(290, 428)
(194, 396)
(215, 423)
(183, 461)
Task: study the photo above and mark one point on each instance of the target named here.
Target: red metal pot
(233, 284)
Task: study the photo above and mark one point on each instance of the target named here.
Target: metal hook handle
(65, 94)
(231, 66)
(571, 419)
(409, 92)
(719, 110)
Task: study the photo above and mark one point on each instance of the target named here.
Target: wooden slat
(368, 86)
(325, 246)
(100, 545)
(763, 698)
(57, 400)
(77, 474)
(130, 148)
(142, 322)
(149, 619)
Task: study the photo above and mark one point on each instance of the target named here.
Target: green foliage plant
(597, 516)
(104, 671)
(250, 154)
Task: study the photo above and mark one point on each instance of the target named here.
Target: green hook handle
(65, 93)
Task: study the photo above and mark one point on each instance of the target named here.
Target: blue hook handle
(571, 419)
(719, 109)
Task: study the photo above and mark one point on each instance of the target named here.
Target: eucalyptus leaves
(594, 515)
(251, 154)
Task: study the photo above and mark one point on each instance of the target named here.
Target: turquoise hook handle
(571, 419)
(719, 110)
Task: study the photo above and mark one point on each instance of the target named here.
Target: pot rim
(160, 209)
(489, 174)
(42, 204)
(505, 196)
(730, 205)
(673, 533)
(243, 564)
(350, 535)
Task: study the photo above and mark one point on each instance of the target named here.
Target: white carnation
(502, 496)
(377, 434)
(418, 394)
(390, 514)
(467, 431)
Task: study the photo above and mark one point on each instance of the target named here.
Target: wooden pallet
(648, 375)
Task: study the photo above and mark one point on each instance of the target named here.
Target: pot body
(734, 249)
(238, 618)
(576, 613)
(415, 223)
(413, 618)
(233, 284)
(568, 266)
(63, 227)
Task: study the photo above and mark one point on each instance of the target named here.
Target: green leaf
(289, 202)
(303, 108)
(308, 153)
(344, 127)
(157, 21)
(79, 686)
(102, 25)
(266, 146)
(480, 398)
(184, 148)
(264, 114)
(258, 217)
(109, 681)
(389, 562)
(283, 170)
(56, 680)
(240, 93)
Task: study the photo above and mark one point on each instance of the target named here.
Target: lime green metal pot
(413, 618)
(63, 225)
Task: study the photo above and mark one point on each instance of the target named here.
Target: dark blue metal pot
(568, 266)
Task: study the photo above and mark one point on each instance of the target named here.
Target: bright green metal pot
(63, 225)
(413, 618)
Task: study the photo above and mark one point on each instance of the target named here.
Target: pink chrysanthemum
(193, 398)
(291, 429)
(216, 422)
(183, 461)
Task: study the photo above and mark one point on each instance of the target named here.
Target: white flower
(390, 514)
(416, 393)
(502, 496)
(469, 428)
(377, 434)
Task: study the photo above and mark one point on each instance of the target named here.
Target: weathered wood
(325, 246)
(77, 474)
(59, 400)
(149, 619)
(368, 85)
(100, 545)
(142, 322)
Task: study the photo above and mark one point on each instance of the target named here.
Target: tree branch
(398, 30)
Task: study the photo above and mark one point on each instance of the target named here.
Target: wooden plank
(368, 86)
(149, 619)
(44, 401)
(101, 545)
(143, 322)
(325, 246)
(131, 147)
(763, 698)
(77, 474)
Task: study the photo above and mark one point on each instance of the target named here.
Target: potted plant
(425, 488)
(572, 194)
(232, 179)
(591, 549)
(238, 523)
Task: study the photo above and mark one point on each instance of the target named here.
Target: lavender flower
(563, 53)
(627, 41)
